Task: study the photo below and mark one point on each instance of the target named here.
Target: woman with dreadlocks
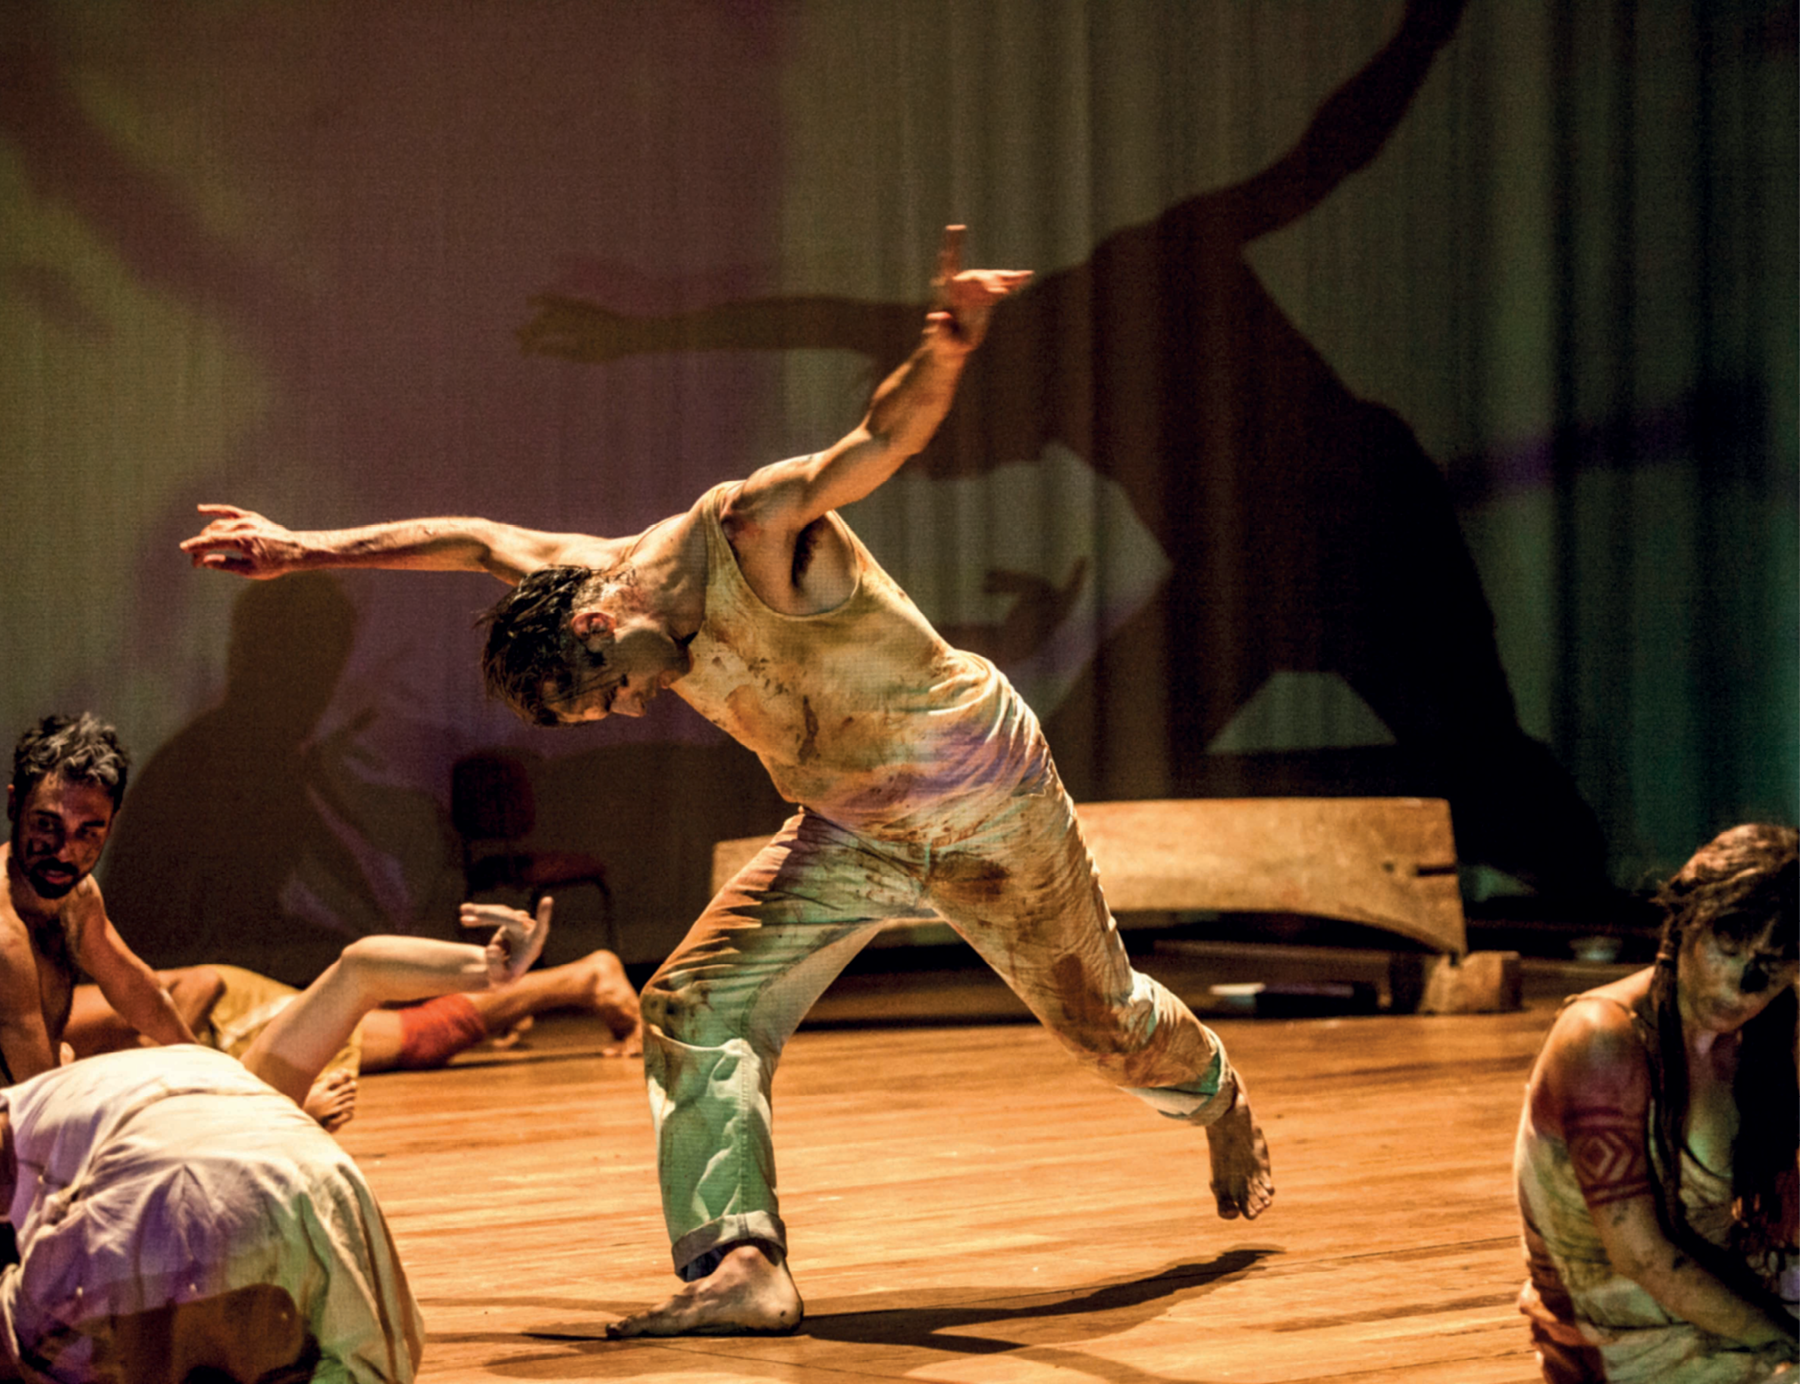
(1656, 1158)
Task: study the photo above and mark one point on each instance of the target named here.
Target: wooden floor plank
(967, 1206)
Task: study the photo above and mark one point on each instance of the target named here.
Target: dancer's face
(639, 658)
(58, 832)
(1724, 983)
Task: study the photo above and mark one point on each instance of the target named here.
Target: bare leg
(291, 1052)
(293, 1049)
(383, 1040)
(751, 1293)
(596, 984)
(1242, 1181)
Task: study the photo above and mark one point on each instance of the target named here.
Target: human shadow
(1108, 1309)
(236, 842)
(1048, 1325)
(1308, 529)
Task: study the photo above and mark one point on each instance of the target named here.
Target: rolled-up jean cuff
(1202, 1106)
(697, 1253)
(1220, 1102)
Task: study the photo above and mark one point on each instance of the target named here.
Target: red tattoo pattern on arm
(1607, 1149)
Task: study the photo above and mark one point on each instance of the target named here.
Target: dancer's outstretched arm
(246, 543)
(780, 506)
(291, 1052)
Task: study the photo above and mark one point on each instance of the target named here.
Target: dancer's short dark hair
(532, 661)
(81, 749)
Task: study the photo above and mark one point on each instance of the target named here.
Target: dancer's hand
(518, 938)
(242, 541)
(964, 299)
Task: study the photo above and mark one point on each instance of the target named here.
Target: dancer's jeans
(1011, 874)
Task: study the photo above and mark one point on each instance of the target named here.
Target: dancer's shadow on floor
(1049, 1322)
(1107, 1310)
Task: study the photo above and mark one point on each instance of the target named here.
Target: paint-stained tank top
(862, 713)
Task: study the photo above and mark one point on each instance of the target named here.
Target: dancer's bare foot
(1241, 1178)
(751, 1293)
(611, 997)
(332, 1099)
(513, 1036)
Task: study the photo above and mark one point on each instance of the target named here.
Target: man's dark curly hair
(532, 661)
(82, 749)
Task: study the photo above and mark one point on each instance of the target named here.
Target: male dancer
(923, 784)
(68, 777)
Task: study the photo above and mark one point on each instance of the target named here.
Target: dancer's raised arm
(248, 544)
(904, 413)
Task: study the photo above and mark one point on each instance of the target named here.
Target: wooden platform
(965, 1205)
(1386, 862)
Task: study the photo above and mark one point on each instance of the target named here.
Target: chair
(493, 809)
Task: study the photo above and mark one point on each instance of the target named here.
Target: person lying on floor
(228, 1007)
(177, 1213)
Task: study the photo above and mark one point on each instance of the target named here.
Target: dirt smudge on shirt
(809, 740)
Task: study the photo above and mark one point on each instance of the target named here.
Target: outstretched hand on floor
(518, 937)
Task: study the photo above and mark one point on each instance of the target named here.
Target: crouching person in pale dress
(174, 1214)
(181, 1218)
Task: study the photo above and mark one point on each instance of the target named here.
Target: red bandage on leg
(434, 1032)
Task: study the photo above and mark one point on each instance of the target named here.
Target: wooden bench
(1386, 862)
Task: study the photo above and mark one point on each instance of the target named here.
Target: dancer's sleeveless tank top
(862, 713)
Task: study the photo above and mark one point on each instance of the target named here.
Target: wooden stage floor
(966, 1205)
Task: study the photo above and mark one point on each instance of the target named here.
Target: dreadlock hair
(81, 749)
(1734, 887)
(532, 660)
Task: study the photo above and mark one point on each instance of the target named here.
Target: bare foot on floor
(1241, 1179)
(332, 1099)
(613, 999)
(749, 1294)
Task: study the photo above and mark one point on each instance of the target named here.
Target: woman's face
(1724, 983)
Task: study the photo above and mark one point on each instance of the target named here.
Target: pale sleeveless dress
(1576, 1297)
